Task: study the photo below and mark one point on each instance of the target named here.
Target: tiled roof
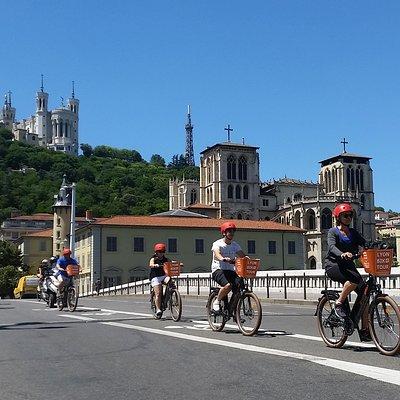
(36, 217)
(203, 206)
(179, 213)
(44, 233)
(178, 222)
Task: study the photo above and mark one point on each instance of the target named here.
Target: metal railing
(290, 284)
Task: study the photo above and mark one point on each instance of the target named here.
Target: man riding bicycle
(157, 275)
(224, 252)
(343, 246)
(61, 276)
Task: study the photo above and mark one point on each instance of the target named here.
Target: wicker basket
(172, 268)
(247, 267)
(377, 262)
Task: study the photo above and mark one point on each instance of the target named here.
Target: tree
(9, 277)
(87, 150)
(156, 159)
(10, 255)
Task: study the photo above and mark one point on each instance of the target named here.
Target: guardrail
(289, 284)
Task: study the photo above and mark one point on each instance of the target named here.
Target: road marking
(117, 311)
(381, 374)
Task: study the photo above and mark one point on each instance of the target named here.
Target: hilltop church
(54, 129)
(230, 188)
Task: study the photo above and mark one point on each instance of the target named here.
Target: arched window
(326, 219)
(326, 181)
(361, 179)
(242, 168)
(353, 186)
(238, 192)
(310, 220)
(296, 219)
(208, 170)
(334, 180)
(239, 216)
(193, 196)
(357, 178)
(348, 178)
(230, 192)
(312, 263)
(246, 192)
(362, 201)
(231, 165)
(297, 197)
(329, 182)
(211, 195)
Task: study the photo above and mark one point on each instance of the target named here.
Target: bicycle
(244, 306)
(69, 295)
(171, 298)
(383, 311)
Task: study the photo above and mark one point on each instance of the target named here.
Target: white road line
(381, 374)
(318, 339)
(117, 311)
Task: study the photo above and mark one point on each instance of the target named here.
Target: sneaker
(158, 314)
(216, 306)
(365, 335)
(340, 311)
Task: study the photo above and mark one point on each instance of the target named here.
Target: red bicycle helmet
(341, 208)
(227, 225)
(160, 247)
(67, 252)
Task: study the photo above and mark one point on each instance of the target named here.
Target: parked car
(27, 285)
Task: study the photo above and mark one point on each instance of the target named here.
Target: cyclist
(157, 275)
(224, 252)
(43, 269)
(343, 245)
(61, 276)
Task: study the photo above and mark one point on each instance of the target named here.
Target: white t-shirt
(226, 250)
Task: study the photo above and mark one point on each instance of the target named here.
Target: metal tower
(189, 153)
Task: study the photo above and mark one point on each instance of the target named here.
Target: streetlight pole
(72, 228)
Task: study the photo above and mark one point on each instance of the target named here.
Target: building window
(326, 219)
(111, 243)
(246, 192)
(138, 244)
(58, 221)
(42, 245)
(58, 234)
(238, 192)
(265, 203)
(231, 167)
(242, 168)
(193, 196)
(230, 192)
(251, 247)
(271, 247)
(291, 247)
(199, 244)
(172, 245)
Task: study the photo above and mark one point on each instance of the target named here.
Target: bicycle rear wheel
(153, 303)
(72, 299)
(384, 325)
(330, 326)
(217, 321)
(248, 314)
(175, 305)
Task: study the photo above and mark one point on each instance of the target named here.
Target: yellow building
(35, 247)
(117, 249)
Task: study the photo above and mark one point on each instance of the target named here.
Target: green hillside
(109, 181)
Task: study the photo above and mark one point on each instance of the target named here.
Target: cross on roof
(229, 129)
(344, 142)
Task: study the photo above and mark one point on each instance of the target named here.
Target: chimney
(89, 215)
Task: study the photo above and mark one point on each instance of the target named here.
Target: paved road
(112, 347)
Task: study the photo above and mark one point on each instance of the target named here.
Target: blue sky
(292, 77)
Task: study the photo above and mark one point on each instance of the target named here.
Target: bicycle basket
(172, 268)
(247, 267)
(377, 262)
(72, 270)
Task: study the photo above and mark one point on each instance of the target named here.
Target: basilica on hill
(230, 188)
(54, 129)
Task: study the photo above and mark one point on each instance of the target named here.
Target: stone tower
(62, 218)
(7, 113)
(42, 120)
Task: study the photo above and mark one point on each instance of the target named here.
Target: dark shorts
(344, 273)
(223, 277)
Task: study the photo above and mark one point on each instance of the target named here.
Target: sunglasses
(347, 215)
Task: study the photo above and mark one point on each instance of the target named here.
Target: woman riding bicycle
(343, 246)
(157, 275)
(224, 252)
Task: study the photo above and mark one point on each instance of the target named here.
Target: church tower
(73, 106)
(7, 113)
(348, 177)
(62, 218)
(230, 180)
(42, 122)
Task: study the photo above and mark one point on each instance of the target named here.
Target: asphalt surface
(111, 347)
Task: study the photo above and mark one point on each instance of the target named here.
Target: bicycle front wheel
(175, 305)
(248, 314)
(384, 325)
(216, 320)
(330, 326)
(72, 299)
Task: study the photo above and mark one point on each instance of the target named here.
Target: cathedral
(54, 129)
(230, 188)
